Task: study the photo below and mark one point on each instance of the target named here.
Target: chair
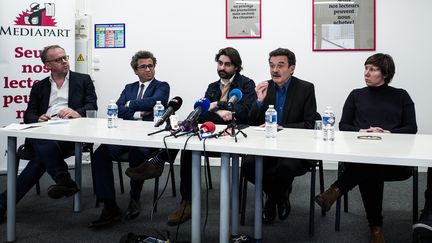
(125, 158)
(319, 164)
(345, 196)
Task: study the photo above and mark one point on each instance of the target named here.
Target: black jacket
(241, 108)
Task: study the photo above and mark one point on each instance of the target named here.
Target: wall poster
(243, 18)
(343, 25)
(110, 36)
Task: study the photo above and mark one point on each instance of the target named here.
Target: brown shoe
(64, 187)
(144, 171)
(182, 214)
(327, 198)
(377, 235)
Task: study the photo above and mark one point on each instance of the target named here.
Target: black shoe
(108, 217)
(2, 215)
(269, 212)
(133, 210)
(64, 187)
(423, 227)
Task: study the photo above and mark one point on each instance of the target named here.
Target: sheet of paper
(17, 126)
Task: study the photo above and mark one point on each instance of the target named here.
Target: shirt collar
(146, 83)
(66, 78)
(284, 88)
(227, 83)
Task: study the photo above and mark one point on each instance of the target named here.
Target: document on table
(17, 126)
(57, 121)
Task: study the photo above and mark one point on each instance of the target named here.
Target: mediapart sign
(25, 28)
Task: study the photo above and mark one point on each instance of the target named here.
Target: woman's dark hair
(385, 63)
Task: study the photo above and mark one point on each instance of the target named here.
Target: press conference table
(395, 149)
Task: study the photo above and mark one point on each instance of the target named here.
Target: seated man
(229, 65)
(64, 94)
(294, 101)
(135, 103)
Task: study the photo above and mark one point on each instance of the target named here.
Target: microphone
(234, 96)
(173, 105)
(201, 106)
(207, 129)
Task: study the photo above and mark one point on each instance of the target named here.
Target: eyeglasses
(60, 59)
(144, 67)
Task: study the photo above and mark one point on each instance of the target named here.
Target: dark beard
(225, 75)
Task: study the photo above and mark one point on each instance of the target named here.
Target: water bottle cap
(271, 106)
(158, 102)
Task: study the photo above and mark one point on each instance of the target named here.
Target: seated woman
(376, 108)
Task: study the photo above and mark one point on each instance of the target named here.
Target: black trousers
(428, 192)
(370, 179)
(278, 174)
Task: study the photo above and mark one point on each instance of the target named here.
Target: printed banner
(25, 28)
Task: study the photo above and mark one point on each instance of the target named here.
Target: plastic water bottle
(271, 122)
(112, 114)
(329, 121)
(158, 111)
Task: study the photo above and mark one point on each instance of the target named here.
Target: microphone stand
(194, 131)
(167, 128)
(232, 128)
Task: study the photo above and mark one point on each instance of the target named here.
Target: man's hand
(225, 115)
(44, 117)
(145, 113)
(261, 91)
(68, 113)
(213, 106)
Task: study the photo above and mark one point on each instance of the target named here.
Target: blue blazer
(82, 96)
(157, 90)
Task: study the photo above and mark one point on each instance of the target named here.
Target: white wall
(185, 36)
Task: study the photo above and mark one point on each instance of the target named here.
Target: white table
(392, 149)
(131, 133)
(396, 149)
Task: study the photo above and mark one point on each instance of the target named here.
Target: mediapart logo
(30, 23)
(37, 16)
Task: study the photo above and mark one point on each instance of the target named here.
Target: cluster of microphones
(201, 106)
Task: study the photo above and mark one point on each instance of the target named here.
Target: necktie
(140, 93)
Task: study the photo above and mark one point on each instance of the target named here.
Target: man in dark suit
(294, 101)
(66, 95)
(229, 65)
(136, 102)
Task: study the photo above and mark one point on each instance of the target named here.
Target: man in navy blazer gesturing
(66, 95)
(135, 103)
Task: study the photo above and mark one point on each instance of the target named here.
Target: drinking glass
(318, 129)
(91, 113)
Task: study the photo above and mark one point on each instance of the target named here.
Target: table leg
(78, 171)
(196, 196)
(11, 188)
(258, 198)
(224, 198)
(235, 196)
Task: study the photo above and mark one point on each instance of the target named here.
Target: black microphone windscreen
(175, 103)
